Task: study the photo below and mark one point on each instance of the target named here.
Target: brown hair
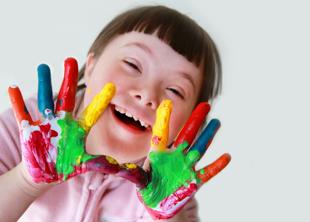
(179, 31)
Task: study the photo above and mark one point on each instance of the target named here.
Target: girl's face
(145, 71)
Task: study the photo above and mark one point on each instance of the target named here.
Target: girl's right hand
(53, 148)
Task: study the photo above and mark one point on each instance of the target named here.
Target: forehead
(156, 50)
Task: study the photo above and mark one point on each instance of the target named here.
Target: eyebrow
(140, 45)
(189, 78)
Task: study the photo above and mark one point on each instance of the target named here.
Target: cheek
(177, 121)
(98, 78)
(114, 74)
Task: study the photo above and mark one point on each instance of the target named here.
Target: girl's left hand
(173, 179)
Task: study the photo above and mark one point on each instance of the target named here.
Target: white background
(264, 106)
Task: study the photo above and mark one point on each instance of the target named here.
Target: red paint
(37, 154)
(156, 140)
(66, 96)
(193, 124)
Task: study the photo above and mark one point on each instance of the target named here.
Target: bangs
(175, 29)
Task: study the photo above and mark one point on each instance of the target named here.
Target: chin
(126, 155)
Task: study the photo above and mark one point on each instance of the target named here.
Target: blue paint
(206, 137)
(45, 93)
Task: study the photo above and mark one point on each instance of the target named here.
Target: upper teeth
(123, 111)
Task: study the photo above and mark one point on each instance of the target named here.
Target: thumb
(134, 174)
(102, 164)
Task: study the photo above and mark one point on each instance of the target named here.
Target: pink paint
(156, 140)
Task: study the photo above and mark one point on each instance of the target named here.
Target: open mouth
(128, 120)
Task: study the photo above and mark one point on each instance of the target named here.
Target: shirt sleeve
(10, 153)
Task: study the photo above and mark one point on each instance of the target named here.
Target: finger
(103, 164)
(193, 124)
(204, 140)
(66, 96)
(160, 129)
(214, 168)
(45, 93)
(108, 165)
(99, 103)
(19, 107)
(135, 174)
(86, 162)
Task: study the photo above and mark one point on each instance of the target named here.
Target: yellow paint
(99, 103)
(78, 160)
(131, 165)
(111, 160)
(160, 131)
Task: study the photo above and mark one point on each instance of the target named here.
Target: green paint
(170, 171)
(71, 146)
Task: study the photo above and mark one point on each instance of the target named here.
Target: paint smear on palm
(70, 149)
(170, 171)
(161, 127)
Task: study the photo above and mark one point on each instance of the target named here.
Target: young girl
(149, 54)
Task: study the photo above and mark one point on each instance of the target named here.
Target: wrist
(26, 183)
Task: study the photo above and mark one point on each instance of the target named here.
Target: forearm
(188, 214)
(182, 216)
(17, 193)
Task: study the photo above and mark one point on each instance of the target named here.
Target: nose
(145, 97)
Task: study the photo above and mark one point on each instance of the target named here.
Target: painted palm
(53, 148)
(173, 179)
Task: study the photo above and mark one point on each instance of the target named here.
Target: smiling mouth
(129, 121)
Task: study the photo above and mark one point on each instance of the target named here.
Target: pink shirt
(88, 197)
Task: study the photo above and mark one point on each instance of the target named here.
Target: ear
(89, 67)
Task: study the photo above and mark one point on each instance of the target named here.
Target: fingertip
(214, 168)
(166, 104)
(70, 60)
(14, 92)
(227, 156)
(72, 64)
(18, 104)
(215, 124)
(66, 95)
(223, 160)
(12, 88)
(163, 111)
(109, 89)
(44, 72)
(203, 107)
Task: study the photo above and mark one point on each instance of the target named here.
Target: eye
(132, 65)
(176, 92)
